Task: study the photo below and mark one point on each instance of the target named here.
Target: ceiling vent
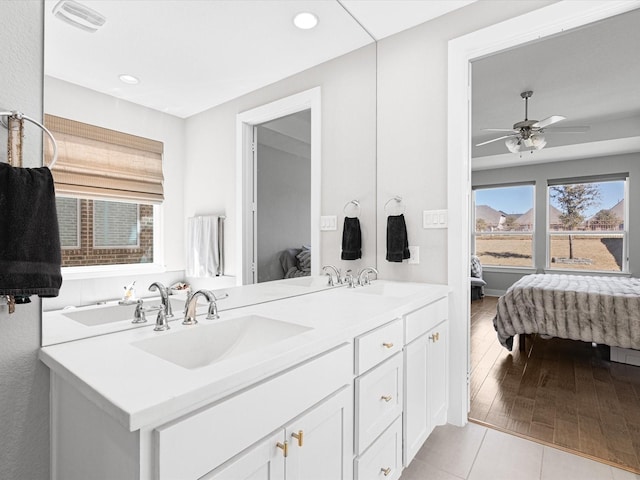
(79, 15)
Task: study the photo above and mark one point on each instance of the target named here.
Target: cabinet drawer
(378, 400)
(377, 345)
(424, 319)
(195, 445)
(384, 459)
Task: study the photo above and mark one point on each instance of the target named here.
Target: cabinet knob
(386, 471)
(386, 398)
(284, 447)
(387, 345)
(435, 337)
(298, 436)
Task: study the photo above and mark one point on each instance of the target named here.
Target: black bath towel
(397, 242)
(29, 240)
(351, 239)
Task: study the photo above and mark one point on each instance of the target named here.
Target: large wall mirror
(198, 65)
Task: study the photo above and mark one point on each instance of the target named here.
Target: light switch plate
(328, 223)
(414, 251)
(435, 219)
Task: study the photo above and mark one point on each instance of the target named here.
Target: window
(504, 225)
(107, 184)
(105, 233)
(587, 226)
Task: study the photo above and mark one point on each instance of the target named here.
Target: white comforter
(604, 310)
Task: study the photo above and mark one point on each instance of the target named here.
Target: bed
(598, 309)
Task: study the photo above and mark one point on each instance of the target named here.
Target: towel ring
(356, 205)
(21, 116)
(398, 200)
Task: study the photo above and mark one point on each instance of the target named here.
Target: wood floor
(560, 392)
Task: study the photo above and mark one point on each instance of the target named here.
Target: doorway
(247, 124)
(535, 25)
(282, 195)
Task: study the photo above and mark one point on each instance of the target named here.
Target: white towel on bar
(203, 253)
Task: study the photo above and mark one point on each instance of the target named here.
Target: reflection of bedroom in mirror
(565, 207)
(283, 198)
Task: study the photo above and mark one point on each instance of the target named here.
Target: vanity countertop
(141, 390)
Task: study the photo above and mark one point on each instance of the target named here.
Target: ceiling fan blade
(548, 121)
(499, 130)
(567, 129)
(495, 140)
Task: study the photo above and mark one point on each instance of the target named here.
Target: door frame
(542, 23)
(245, 122)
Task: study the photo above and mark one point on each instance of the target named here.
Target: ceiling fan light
(538, 141)
(513, 144)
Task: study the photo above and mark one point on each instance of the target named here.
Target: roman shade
(95, 162)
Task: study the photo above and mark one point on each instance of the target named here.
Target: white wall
(412, 129)
(71, 101)
(24, 381)
(348, 151)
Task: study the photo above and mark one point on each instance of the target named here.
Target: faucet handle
(161, 321)
(139, 314)
(349, 279)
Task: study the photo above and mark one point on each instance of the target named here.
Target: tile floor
(475, 452)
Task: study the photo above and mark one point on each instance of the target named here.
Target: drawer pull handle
(386, 398)
(387, 345)
(284, 447)
(435, 337)
(298, 436)
(386, 471)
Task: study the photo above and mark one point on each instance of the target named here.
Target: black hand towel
(351, 239)
(29, 240)
(397, 242)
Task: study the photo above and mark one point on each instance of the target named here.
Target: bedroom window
(587, 224)
(504, 225)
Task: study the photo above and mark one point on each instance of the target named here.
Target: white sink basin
(101, 314)
(205, 344)
(395, 290)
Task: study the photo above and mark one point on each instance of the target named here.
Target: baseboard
(493, 293)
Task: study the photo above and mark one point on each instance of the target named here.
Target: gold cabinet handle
(387, 345)
(386, 398)
(284, 447)
(435, 337)
(386, 471)
(298, 436)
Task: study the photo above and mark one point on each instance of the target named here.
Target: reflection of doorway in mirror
(282, 180)
(297, 113)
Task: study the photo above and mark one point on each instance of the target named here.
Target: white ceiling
(589, 75)
(192, 55)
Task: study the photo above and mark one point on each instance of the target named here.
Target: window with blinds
(107, 183)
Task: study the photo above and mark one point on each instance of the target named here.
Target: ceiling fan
(528, 133)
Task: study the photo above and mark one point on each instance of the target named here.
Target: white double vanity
(332, 383)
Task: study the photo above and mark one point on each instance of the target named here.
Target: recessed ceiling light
(305, 20)
(129, 79)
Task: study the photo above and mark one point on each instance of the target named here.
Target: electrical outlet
(414, 259)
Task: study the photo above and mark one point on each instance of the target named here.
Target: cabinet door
(426, 388)
(438, 374)
(416, 416)
(321, 441)
(264, 461)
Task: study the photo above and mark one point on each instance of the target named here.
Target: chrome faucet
(363, 276)
(335, 271)
(348, 279)
(139, 315)
(190, 307)
(164, 297)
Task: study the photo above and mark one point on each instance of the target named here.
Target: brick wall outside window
(90, 254)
